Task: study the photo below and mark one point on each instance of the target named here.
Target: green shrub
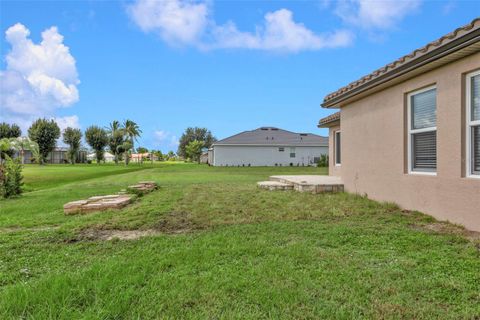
(323, 162)
(10, 178)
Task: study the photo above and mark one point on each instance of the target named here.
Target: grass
(225, 249)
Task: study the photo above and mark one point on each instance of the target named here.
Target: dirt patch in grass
(447, 228)
(107, 235)
(177, 222)
(172, 223)
(32, 229)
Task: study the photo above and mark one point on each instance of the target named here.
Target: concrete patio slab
(274, 185)
(311, 183)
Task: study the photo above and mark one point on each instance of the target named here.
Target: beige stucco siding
(374, 153)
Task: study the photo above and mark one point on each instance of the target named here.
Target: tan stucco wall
(373, 149)
(333, 170)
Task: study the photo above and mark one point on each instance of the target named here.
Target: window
(422, 131)
(473, 124)
(292, 152)
(338, 148)
(281, 149)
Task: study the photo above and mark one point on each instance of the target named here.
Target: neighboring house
(140, 157)
(57, 156)
(210, 156)
(107, 156)
(204, 158)
(268, 146)
(409, 132)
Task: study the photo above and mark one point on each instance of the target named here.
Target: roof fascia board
(270, 145)
(432, 56)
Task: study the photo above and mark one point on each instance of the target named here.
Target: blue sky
(228, 66)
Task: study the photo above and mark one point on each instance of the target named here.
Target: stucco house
(409, 132)
(141, 157)
(268, 146)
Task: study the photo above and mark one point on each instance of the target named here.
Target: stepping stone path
(112, 201)
(143, 187)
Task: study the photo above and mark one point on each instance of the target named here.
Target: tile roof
(328, 119)
(391, 67)
(272, 136)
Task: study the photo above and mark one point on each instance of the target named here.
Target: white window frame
(411, 132)
(469, 124)
(337, 164)
(293, 152)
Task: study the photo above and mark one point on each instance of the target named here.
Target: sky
(228, 66)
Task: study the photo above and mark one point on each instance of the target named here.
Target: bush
(10, 178)
(323, 162)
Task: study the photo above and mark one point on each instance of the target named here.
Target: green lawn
(224, 249)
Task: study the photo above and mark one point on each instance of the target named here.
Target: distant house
(204, 158)
(57, 156)
(268, 146)
(409, 132)
(140, 157)
(107, 156)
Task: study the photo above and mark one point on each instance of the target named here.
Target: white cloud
(189, 23)
(165, 139)
(177, 22)
(161, 135)
(174, 142)
(68, 121)
(449, 7)
(279, 33)
(382, 14)
(39, 78)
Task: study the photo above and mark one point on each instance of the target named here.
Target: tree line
(43, 135)
(118, 138)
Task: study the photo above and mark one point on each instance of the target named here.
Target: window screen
(475, 102)
(476, 149)
(473, 123)
(338, 149)
(424, 151)
(423, 134)
(424, 110)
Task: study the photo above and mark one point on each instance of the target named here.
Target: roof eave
(329, 124)
(271, 145)
(443, 51)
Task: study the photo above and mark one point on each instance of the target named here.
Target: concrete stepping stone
(111, 201)
(311, 183)
(143, 187)
(274, 185)
(97, 203)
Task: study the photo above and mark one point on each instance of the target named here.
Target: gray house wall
(238, 155)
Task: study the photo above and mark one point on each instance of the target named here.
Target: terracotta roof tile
(331, 118)
(475, 24)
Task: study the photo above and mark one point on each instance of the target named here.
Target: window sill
(419, 173)
(473, 176)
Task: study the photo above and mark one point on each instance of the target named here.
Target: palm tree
(115, 135)
(21, 144)
(114, 127)
(132, 131)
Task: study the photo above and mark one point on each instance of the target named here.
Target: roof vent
(304, 134)
(264, 128)
(274, 129)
